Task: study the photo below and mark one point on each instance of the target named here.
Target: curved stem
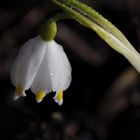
(105, 29)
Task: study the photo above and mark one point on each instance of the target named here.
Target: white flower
(43, 67)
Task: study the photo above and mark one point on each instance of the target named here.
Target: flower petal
(59, 97)
(27, 62)
(59, 66)
(42, 81)
(19, 92)
(39, 96)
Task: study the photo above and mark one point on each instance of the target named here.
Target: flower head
(42, 66)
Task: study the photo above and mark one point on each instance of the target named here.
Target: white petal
(59, 66)
(27, 62)
(58, 98)
(42, 81)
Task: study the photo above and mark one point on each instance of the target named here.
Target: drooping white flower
(43, 67)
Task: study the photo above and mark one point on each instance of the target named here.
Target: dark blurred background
(103, 101)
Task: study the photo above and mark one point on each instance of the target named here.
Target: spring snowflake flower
(43, 67)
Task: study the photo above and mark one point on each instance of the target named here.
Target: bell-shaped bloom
(43, 67)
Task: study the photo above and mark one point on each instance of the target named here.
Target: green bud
(49, 30)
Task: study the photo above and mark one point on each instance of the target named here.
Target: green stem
(105, 29)
(100, 20)
(93, 16)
